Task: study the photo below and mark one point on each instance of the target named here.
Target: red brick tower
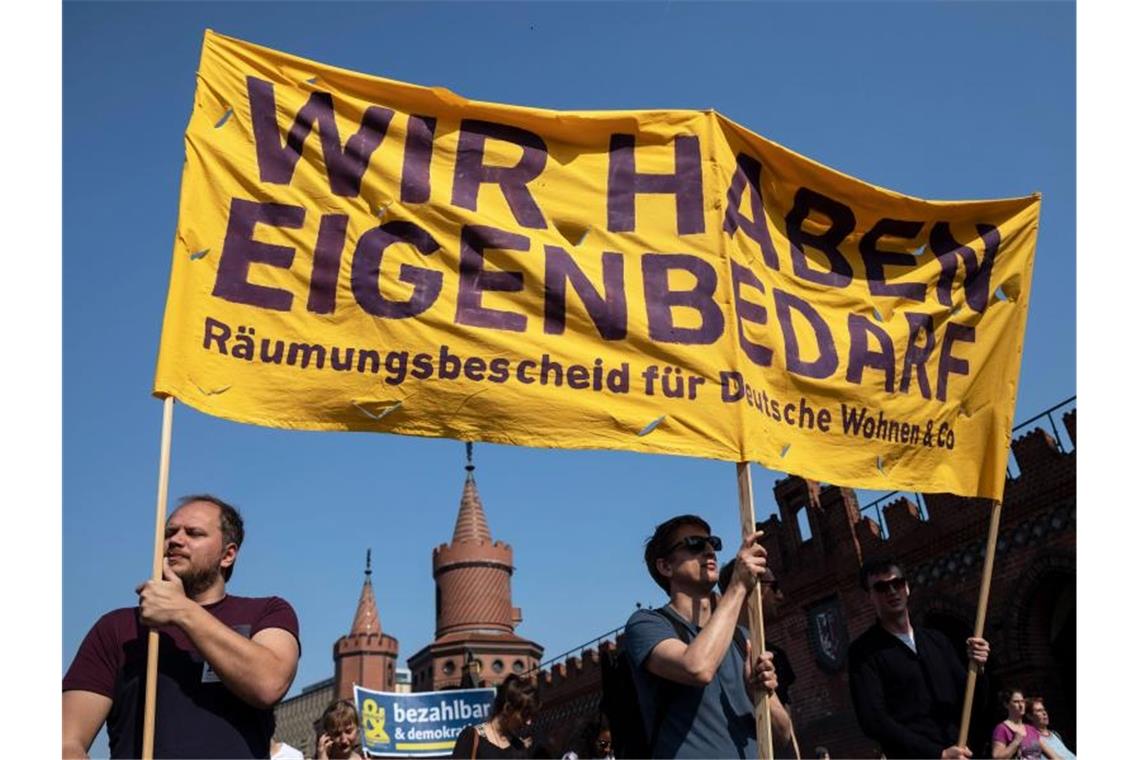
(366, 656)
(474, 618)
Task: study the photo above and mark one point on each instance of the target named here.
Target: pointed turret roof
(471, 522)
(367, 619)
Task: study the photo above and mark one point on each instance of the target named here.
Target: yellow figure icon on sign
(374, 717)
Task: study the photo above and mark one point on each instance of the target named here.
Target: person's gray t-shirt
(711, 721)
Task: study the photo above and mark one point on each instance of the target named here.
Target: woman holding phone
(339, 732)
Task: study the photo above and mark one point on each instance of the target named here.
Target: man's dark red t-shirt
(195, 714)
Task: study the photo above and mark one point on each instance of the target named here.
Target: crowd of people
(684, 684)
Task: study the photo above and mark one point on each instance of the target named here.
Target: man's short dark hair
(233, 529)
(877, 567)
(657, 545)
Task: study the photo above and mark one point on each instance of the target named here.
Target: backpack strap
(738, 637)
(674, 619)
(683, 633)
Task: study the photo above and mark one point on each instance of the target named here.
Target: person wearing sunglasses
(593, 740)
(907, 682)
(693, 669)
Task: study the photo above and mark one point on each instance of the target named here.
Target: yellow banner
(355, 253)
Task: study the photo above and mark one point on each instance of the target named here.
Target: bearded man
(224, 661)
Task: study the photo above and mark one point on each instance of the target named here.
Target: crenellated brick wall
(571, 693)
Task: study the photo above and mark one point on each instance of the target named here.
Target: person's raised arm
(83, 715)
(259, 670)
(696, 663)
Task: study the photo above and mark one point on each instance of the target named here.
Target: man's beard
(197, 580)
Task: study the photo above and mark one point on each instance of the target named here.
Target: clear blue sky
(943, 101)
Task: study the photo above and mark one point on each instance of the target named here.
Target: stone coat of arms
(827, 632)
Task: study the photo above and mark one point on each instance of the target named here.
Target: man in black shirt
(907, 682)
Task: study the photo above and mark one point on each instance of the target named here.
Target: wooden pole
(980, 620)
(760, 707)
(156, 574)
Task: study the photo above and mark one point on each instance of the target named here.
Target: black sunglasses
(696, 544)
(897, 584)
